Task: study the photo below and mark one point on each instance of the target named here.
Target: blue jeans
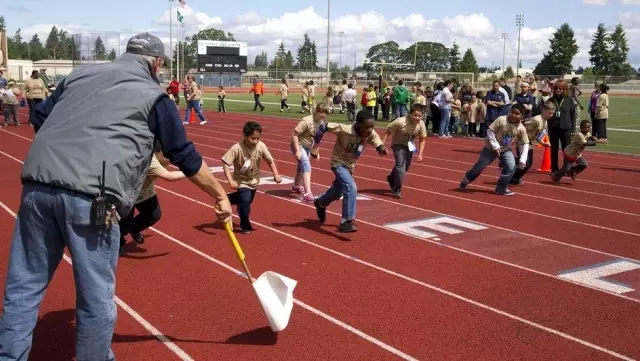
(304, 165)
(507, 163)
(400, 110)
(453, 125)
(445, 114)
(343, 185)
(50, 219)
(195, 104)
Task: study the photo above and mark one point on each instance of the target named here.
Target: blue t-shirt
(493, 112)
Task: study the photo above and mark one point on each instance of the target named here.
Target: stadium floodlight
(520, 24)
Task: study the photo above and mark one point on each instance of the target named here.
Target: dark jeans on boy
(242, 198)
(403, 157)
(149, 213)
(520, 172)
(569, 168)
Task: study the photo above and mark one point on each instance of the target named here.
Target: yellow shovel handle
(234, 241)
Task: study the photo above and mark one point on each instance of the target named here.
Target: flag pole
(171, 38)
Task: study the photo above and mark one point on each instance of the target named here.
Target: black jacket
(567, 119)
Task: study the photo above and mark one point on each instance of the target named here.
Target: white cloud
(361, 31)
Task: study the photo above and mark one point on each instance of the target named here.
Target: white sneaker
(203, 122)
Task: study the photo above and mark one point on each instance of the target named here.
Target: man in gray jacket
(114, 113)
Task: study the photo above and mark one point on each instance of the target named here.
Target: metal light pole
(504, 50)
(341, 34)
(328, 38)
(520, 24)
(171, 38)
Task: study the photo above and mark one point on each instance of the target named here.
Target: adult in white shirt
(446, 98)
(350, 100)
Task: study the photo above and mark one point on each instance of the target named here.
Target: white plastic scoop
(274, 291)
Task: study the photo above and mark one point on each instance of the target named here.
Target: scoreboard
(222, 56)
(222, 64)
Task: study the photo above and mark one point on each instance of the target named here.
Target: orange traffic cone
(545, 167)
(192, 118)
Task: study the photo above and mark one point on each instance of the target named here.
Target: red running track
(406, 293)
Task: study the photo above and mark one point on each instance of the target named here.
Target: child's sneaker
(572, 174)
(347, 227)
(137, 237)
(464, 183)
(320, 211)
(390, 181)
(297, 189)
(308, 197)
(505, 192)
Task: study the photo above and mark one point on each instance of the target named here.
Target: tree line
(59, 44)
(608, 53)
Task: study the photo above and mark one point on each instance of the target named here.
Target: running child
(304, 105)
(147, 204)
(284, 94)
(351, 139)
(536, 131)
(573, 153)
(301, 142)
(221, 95)
(501, 135)
(403, 131)
(245, 158)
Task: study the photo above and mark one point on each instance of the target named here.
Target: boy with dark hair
(351, 140)
(403, 131)
(573, 153)
(245, 157)
(501, 135)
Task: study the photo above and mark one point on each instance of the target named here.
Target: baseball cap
(145, 44)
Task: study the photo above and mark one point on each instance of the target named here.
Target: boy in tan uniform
(403, 131)
(245, 157)
(301, 142)
(147, 204)
(573, 152)
(284, 94)
(193, 102)
(501, 135)
(536, 131)
(351, 139)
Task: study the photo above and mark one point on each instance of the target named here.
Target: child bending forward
(573, 152)
(245, 157)
(301, 142)
(501, 135)
(351, 139)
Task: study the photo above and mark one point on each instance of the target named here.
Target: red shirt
(174, 87)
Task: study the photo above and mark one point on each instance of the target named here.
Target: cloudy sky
(264, 24)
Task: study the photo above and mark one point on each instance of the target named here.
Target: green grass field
(624, 113)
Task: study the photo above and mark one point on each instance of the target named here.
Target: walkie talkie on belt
(100, 205)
